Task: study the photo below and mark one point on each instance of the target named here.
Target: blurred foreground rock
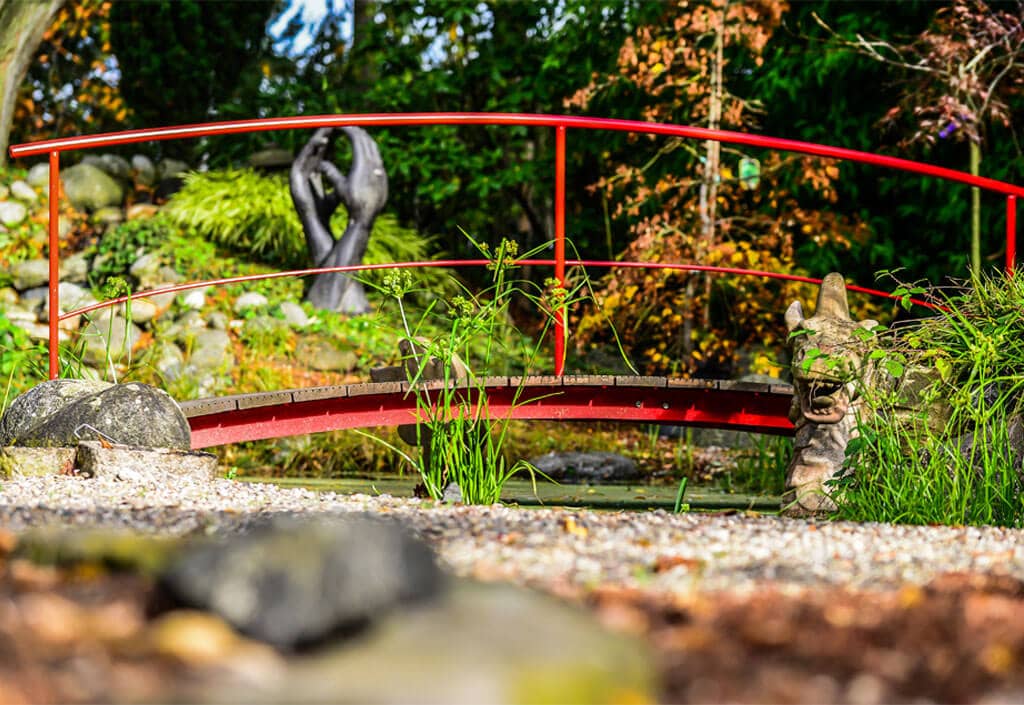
(293, 583)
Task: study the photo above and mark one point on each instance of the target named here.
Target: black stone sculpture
(364, 192)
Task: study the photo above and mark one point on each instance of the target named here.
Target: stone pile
(189, 340)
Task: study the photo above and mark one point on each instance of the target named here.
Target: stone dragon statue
(829, 365)
(838, 385)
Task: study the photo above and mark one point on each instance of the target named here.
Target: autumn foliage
(71, 88)
(705, 204)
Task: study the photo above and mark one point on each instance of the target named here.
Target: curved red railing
(561, 124)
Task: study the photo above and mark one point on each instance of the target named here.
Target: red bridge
(752, 407)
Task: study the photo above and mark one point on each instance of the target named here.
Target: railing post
(560, 314)
(1011, 233)
(54, 196)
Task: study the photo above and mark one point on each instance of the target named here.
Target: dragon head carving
(829, 351)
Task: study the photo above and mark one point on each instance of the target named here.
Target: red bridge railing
(561, 124)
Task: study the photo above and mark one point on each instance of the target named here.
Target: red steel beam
(754, 411)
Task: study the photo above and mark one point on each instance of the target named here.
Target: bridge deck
(748, 406)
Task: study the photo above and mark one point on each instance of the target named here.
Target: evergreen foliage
(253, 212)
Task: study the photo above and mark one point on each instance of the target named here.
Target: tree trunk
(22, 24)
(975, 209)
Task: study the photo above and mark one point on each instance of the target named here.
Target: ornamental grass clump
(463, 444)
(954, 455)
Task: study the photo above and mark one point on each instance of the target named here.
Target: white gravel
(551, 547)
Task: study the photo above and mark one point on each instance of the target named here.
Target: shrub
(253, 212)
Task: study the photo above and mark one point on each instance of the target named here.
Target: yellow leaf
(571, 527)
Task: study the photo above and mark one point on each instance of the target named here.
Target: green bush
(253, 212)
(122, 245)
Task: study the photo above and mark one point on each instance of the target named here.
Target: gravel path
(553, 547)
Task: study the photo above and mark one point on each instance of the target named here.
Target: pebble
(658, 550)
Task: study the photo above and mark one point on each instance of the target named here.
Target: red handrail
(610, 264)
(560, 122)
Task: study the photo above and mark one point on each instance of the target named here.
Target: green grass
(912, 469)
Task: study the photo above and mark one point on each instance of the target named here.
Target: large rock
(12, 213)
(144, 169)
(115, 166)
(29, 409)
(294, 315)
(170, 168)
(90, 188)
(323, 355)
(74, 268)
(72, 296)
(248, 300)
(293, 583)
(24, 192)
(39, 175)
(168, 359)
(108, 339)
(63, 412)
(32, 273)
(211, 352)
(590, 468)
(107, 217)
(133, 464)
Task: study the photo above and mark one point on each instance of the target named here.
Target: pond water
(634, 497)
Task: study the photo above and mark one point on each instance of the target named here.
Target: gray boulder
(168, 360)
(108, 339)
(589, 468)
(29, 409)
(264, 325)
(53, 415)
(147, 270)
(75, 268)
(72, 296)
(107, 217)
(293, 583)
(144, 170)
(23, 192)
(294, 315)
(211, 352)
(323, 355)
(90, 188)
(250, 299)
(12, 213)
(29, 274)
(170, 168)
(39, 175)
(117, 166)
